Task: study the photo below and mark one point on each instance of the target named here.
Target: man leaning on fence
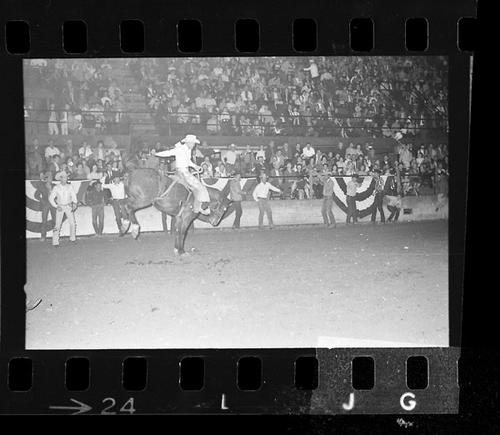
(261, 195)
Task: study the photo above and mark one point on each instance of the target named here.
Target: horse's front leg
(173, 224)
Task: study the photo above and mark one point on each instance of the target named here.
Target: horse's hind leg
(135, 228)
(182, 222)
(131, 222)
(126, 222)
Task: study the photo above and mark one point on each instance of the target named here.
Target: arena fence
(286, 212)
(123, 122)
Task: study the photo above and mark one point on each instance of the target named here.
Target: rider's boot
(204, 209)
(201, 207)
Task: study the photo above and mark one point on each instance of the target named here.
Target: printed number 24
(127, 407)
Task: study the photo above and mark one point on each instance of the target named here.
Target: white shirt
(182, 155)
(85, 151)
(117, 190)
(231, 157)
(64, 194)
(262, 190)
(314, 70)
(308, 152)
(51, 151)
(247, 96)
(260, 153)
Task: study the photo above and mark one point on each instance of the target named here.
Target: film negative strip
(344, 125)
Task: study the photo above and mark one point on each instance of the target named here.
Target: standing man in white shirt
(261, 195)
(63, 199)
(313, 69)
(182, 153)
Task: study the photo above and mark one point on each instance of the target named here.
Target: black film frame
(103, 19)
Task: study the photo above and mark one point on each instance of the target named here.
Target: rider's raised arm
(166, 153)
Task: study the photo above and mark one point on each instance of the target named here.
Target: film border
(160, 39)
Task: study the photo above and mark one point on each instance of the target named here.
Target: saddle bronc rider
(182, 153)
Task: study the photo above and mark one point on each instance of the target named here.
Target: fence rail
(199, 113)
(312, 185)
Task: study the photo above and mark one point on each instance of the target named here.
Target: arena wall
(285, 212)
(255, 141)
(381, 145)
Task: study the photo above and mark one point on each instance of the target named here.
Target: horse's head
(223, 209)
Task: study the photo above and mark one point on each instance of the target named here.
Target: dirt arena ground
(290, 287)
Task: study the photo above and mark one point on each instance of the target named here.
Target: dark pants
(351, 210)
(119, 210)
(264, 207)
(378, 205)
(326, 211)
(394, 213)
(318, 190)
(46, 209)
(238, 210)
(98, 218)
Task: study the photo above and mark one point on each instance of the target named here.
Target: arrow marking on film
(80, 409)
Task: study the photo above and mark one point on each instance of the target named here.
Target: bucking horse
(148, 187)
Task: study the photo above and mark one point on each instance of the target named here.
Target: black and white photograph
(237, 202)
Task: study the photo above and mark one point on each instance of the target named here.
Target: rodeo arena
(236, 202)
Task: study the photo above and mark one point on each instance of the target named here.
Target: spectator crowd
(298, 173)
(297, 170)
(78, 96)
(321, 96)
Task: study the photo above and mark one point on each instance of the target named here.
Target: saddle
(216, 209)
(175, 179)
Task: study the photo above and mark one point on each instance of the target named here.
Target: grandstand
(348, 97)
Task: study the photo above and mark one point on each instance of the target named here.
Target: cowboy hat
(190, 138)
